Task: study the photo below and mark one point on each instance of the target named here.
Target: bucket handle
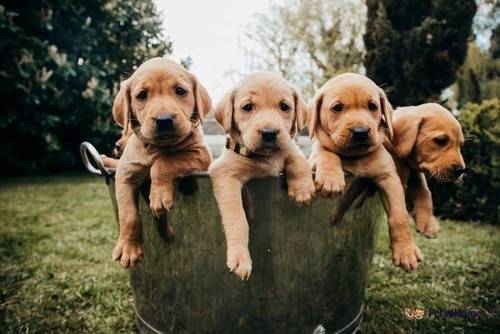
(86, 150)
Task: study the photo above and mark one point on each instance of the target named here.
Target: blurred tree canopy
(415, 47)
(61, 65)
(479, 77)
(308, 42)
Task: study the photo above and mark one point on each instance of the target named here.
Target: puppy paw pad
(128, 254)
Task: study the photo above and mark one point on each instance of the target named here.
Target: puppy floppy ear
(121, 105)
(301, 113)
(202, 101)
(313, 110)
(405, 134)
(387, 112)
(224, 111)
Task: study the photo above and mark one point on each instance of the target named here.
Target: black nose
(458, 171)
(269, 134)
(164, 123)
(360, 133)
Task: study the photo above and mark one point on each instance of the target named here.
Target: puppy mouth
(166, 134)
(348, 145)
(440, 175)
(161, 138)
(364, 144)
(267, 147)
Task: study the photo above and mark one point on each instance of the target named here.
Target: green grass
(56, 238)
(57, 233)
(461, 271)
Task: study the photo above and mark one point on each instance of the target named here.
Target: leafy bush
(477, 197)
(61, 63)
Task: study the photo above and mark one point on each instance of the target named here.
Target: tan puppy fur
(120, 144)
(260, 101)
(427, 140)
(350, 118)
(159, 88)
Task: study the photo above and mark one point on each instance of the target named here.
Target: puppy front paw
(108, 162)
(406, 255)
(301, 190)
(128, 253)
(160, 201)
(239, 262)
(428, 227)
(329, 184)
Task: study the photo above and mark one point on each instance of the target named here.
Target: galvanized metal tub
(307, 276)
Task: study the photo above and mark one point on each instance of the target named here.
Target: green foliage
(414, 47)
(478, 196)
(479, 77)
(61, 64)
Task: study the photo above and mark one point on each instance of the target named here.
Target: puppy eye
(180, 91)
(338, 107)
(284, 106)
(143, 95)
(441, 141)
(372, 106)
(247, 107)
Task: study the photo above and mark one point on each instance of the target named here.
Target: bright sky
(210, 32)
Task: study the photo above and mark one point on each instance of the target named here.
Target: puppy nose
(269, 134)
(164, 123)
(458, 171)
(360, 133)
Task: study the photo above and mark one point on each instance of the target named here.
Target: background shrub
(477, 196)
(61, 64)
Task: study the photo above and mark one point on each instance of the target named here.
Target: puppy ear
(224, 111)
(313, 113)
(121, 105)
(387, 112)
(203, 102)
(405, 134)
(301, 113)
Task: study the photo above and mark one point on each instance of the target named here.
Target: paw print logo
(414, 313)
(410, 313)
(419, 313)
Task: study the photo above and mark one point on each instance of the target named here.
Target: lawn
(57, 233)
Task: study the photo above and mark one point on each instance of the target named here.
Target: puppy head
(350, 115)
(431, 137)
(262, 112)
(164, 98)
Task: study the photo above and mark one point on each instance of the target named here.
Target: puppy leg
(161, 194)
(227, 191)
(299, 177)
(329, 177)
(128, 249)
(419, 192)
(405, 252)
(109, 162)
(164, 172)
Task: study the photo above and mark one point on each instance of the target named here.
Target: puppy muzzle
(269, 135)
(165, 126)
(360, 135)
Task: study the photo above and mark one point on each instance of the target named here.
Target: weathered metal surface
(305, 273)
